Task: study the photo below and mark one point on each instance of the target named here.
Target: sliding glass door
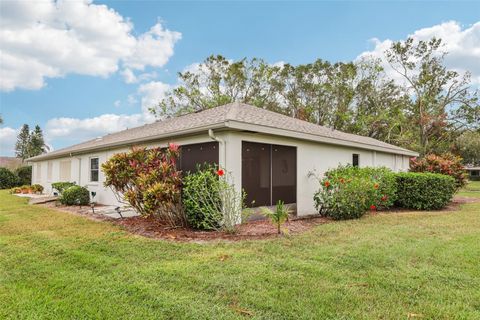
(268, 173)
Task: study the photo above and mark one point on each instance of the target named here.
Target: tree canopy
(30, 143)
(425, 111)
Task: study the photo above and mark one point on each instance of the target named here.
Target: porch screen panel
(192, 155)
(65, 171)
(284, 174)
(256, 175)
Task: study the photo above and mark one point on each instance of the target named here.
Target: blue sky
(294, 32)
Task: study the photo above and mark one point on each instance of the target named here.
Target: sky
(84, 69)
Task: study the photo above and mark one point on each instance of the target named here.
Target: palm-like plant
(277, 217)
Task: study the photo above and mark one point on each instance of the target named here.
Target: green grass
(55, 265)
(471, 190)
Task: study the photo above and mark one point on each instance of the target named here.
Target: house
(268, 154)
(473, 173)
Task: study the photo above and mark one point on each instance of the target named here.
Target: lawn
(55, 265)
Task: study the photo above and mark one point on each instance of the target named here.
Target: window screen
(38, 172)
(256, 173)
(49, 170)
(192, 155)
(355, 160)
(284, 174)
(269, 173)
(94, 168)
(65, 171)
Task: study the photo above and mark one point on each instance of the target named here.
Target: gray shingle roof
(217, 118)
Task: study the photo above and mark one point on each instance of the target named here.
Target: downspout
(214, 137)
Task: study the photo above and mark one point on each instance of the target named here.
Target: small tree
(147, 180)
(277, 217)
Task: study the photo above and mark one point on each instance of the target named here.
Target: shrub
(147, 179)
(7, 179)
(24, 175)
(211, 201)
(37, 188)
(61, 186)
(75, 195)
(447, 164)
(348, 192)
(424, 191)
(16, 190)
(26, 189)
(382, 180)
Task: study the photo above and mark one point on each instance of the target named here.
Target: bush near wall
(201, 199)
(75, 195)
(447, 164)
(424, 191)
(349, 192)
(61, 186)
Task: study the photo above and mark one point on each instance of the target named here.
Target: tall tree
(22, 145)
(442, 100)
(30, 144)
(37, 144)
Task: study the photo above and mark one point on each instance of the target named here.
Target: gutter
(220, 141)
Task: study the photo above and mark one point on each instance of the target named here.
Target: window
(94, 169)
(355, 160)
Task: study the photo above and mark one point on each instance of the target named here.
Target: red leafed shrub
(148, 180)
(447, 164)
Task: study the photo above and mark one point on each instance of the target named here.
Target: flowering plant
(447, 164)
(348, 192)
(147, 180)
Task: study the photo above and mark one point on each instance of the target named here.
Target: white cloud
(8, 137)
(73, 130)
(462, 44)
(151, 93)
(153, 48)
(130, 77)
(48, 39)
(83, 129)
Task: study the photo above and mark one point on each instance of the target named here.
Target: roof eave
(130, 142)
(233, 124)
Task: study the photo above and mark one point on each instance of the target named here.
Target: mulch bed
(253, 230)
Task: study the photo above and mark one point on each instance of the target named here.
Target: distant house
(473, 173)
(269, 155)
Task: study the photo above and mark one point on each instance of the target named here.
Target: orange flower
(373, 207)
(327, 184)
(342, 180)
(375, 186)
(384, 198)
(220, 172)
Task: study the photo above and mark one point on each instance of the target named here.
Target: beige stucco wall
(311, 157)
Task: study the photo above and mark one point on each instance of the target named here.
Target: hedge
(424, 191)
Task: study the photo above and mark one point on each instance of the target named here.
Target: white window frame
(90, 169)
